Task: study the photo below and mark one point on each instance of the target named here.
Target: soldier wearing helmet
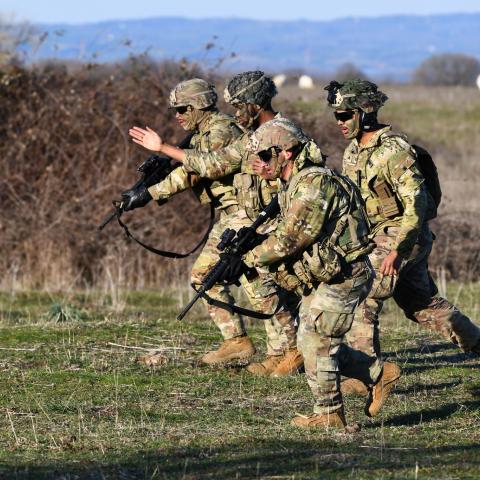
(251, 94)
(321, 240)
(385, 168)
(194, 102)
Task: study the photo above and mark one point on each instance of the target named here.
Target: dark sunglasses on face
(344, 116)
(267, 155)
(181, 110)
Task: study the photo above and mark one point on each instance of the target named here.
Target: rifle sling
(235, 308)
(164, 253)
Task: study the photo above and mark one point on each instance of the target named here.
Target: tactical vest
(253, 192)
(344, 236)
(383, 204)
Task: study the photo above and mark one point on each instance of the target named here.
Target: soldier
(251, 94)
(321, 239)
(194, 102)
(399, 205)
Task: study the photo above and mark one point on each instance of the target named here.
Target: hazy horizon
(91, 11)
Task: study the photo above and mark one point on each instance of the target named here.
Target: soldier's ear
(288, 154)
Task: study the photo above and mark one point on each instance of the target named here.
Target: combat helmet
(279, 132)
(251, 88)
(195, 92)
(355, 94)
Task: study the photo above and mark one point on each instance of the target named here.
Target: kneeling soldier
(321, 239)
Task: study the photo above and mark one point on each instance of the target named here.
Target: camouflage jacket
(314, 207)
(253, 193)
(216, 131)
(391, 185)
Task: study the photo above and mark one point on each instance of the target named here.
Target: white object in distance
(305, 82)
(279, 79)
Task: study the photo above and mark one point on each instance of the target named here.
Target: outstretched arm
(152, 141)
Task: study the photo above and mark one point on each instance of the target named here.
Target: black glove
(235, 269)
(135, 198)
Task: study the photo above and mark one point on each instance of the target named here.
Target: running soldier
(251, 94)
(321, 240)
(194, 102)
(398, 204)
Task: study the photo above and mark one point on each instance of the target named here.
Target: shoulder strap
(232, 308)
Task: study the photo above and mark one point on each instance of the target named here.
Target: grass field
(76, 405)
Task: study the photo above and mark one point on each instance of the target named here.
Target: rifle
(235, 244)
(154, 169)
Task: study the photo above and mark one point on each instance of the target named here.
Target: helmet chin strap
(252, 120)
(368, 121)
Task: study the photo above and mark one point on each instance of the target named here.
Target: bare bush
(14, 37)
(65, 154)
(448, 69)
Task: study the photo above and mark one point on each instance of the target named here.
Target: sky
(85, 11)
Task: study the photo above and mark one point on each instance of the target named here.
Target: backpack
(429, 170)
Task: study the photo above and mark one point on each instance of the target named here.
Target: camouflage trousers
(415, 292)
(326, 315)
(261, 292)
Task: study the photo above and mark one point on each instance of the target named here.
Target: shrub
(448, 69)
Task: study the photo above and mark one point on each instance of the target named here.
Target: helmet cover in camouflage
(195, 92)
(250, 87)
(279, 132)
(355, 94)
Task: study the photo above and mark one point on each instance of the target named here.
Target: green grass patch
(75, 403)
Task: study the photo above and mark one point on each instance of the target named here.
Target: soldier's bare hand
(148, 138)
(391, 264)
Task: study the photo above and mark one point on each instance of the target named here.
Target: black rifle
(235, 244)
(154, 169)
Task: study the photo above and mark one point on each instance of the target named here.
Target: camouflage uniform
(319, 218)
(214, 131)
(398, 206)
(253, 193)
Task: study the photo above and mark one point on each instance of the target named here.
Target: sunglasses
(267, 155)
(344, 116)
(181, 110)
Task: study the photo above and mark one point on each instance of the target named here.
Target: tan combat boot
(352, 386)
(290, 363)
(321, 420)
(381, 390)
(237, 348)
(266, 367)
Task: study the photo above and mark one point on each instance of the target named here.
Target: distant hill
(384, 47)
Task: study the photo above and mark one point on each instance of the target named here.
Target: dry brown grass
(65, 154)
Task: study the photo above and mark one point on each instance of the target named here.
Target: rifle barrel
(190, 305)
(107, 220)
